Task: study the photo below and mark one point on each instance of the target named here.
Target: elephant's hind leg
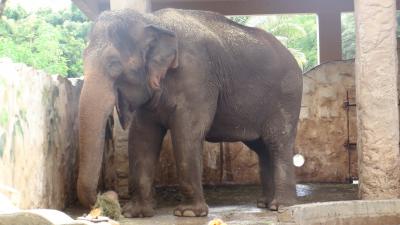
(279, 160)
(265, 170)
(145, 139)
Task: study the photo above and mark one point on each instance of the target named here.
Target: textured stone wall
(327, 131)
(377, 99)
(327, 125)
(38, 136)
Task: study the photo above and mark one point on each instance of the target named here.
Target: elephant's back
(242, 57)
(215, 31)
(196, 24)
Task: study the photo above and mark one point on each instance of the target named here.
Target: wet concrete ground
(233, 204)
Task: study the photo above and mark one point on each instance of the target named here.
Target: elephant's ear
(162, 54)
(123, 110)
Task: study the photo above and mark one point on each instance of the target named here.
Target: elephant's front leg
(188, 137)
(145, 139)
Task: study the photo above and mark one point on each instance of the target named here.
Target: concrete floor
(233, 204)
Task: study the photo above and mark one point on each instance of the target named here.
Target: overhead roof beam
(241, 7)
(92, 8)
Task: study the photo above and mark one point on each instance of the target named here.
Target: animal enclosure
(326, 136)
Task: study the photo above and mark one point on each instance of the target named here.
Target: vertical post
(377, 99)
(138, 5)
(329, 36)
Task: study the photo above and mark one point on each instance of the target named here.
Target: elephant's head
(124, 63)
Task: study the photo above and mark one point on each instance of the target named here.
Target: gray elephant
(201, 76)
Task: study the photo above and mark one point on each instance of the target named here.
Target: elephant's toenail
(127, 215)
(261, 205)
(282, 209)
(189, 213)
(273, 208)
(177, 213)
(203, 214)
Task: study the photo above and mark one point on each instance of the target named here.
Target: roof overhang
(92, 8)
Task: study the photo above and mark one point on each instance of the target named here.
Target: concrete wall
(377, 99)
(38, 136)
(367, 212)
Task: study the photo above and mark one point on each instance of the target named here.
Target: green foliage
(3, 118)
(348, 36)
(239, 19)
(15, 13)
(297, 32)
(52, 41)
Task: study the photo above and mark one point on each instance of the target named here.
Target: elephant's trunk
(96, 104)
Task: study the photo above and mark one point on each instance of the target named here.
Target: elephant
(200, 76)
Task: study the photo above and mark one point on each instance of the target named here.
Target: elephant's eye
(114, 67)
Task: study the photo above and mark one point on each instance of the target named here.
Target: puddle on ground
(236, 205)
(307, 193)
(303, 190)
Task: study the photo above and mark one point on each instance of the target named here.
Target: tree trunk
(2, 6)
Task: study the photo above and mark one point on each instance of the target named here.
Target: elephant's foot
(274, 204)
(191, 210)
(135, 209)
(86, 197)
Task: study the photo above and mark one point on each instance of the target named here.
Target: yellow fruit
(94, 213)
(216, 222)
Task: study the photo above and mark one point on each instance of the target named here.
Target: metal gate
(351, 143)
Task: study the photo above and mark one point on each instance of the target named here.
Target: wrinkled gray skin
(201, 76)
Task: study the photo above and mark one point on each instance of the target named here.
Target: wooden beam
(234, 7)
(248, 7)
(329, 36)
(90, 10)
(139, 5)
(328, 12)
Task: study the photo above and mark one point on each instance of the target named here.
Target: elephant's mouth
(121, 96)
(153, 101)
(124, 109)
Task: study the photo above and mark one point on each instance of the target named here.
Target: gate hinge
(347, 104)
(350, 145)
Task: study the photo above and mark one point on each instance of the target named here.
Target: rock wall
(38, 135)
(327, 128)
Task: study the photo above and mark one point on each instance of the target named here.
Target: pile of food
(106, 209)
